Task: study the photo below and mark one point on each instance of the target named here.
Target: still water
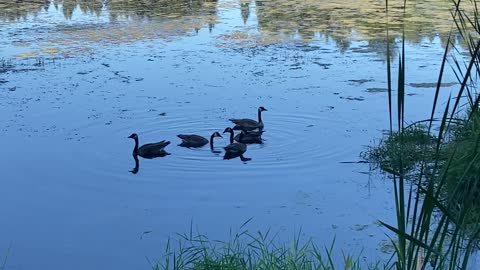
(77, 78)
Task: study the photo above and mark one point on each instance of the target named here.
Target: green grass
(407, 149)
(3, 262)
(436, 219)
(245, 251)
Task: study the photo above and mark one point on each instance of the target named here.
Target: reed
(437, 227)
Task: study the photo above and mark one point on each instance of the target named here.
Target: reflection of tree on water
(86, 6)
(196, 11)
(344, 21)
(151, 9)
(245, 11)
(18, 10)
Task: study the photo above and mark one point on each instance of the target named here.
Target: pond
(77, 78)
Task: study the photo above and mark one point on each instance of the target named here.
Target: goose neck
(135, 149)
(231, 136)
(211, 140)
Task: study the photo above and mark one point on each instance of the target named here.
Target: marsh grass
(3, 262)
(436, 224)
(245, 251)
(408, 149)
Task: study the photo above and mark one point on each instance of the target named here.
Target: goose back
(192, 140)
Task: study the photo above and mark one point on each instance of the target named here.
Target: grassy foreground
(245, 251)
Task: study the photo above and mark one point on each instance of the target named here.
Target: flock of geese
(250, 132)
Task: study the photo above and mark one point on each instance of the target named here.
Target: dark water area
(76, 79)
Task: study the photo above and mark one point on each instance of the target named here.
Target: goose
(149, 150)
(249, 137)
(192, 140)
(234, 148)
(249, 124)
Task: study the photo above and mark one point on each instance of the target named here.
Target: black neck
(259, 116)
(240, 137)
(211, 140)
(231, 136)
(135, 150)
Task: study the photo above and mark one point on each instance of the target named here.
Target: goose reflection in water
(148, 151)
(137, 165)
(232, 155)
(216, 152)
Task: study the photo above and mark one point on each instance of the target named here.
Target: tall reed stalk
(433, 232)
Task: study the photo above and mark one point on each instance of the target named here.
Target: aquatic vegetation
(26, 54)
(437, 220)
(405, 149)
(261, 250)
(50, 50)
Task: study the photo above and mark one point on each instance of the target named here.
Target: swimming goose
(249, 124)
(234, 148)
(192, 140)
(149, 150)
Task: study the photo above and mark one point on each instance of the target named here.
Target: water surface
(77, 78)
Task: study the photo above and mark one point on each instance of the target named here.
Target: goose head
(261, 109)
(133, 136)
(216, 134)
(228, 129)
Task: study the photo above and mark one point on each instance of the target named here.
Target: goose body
(249, 137)
(249, 124)
(192, 140)
(149, 150)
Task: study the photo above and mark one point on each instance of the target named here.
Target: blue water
(91, 79)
